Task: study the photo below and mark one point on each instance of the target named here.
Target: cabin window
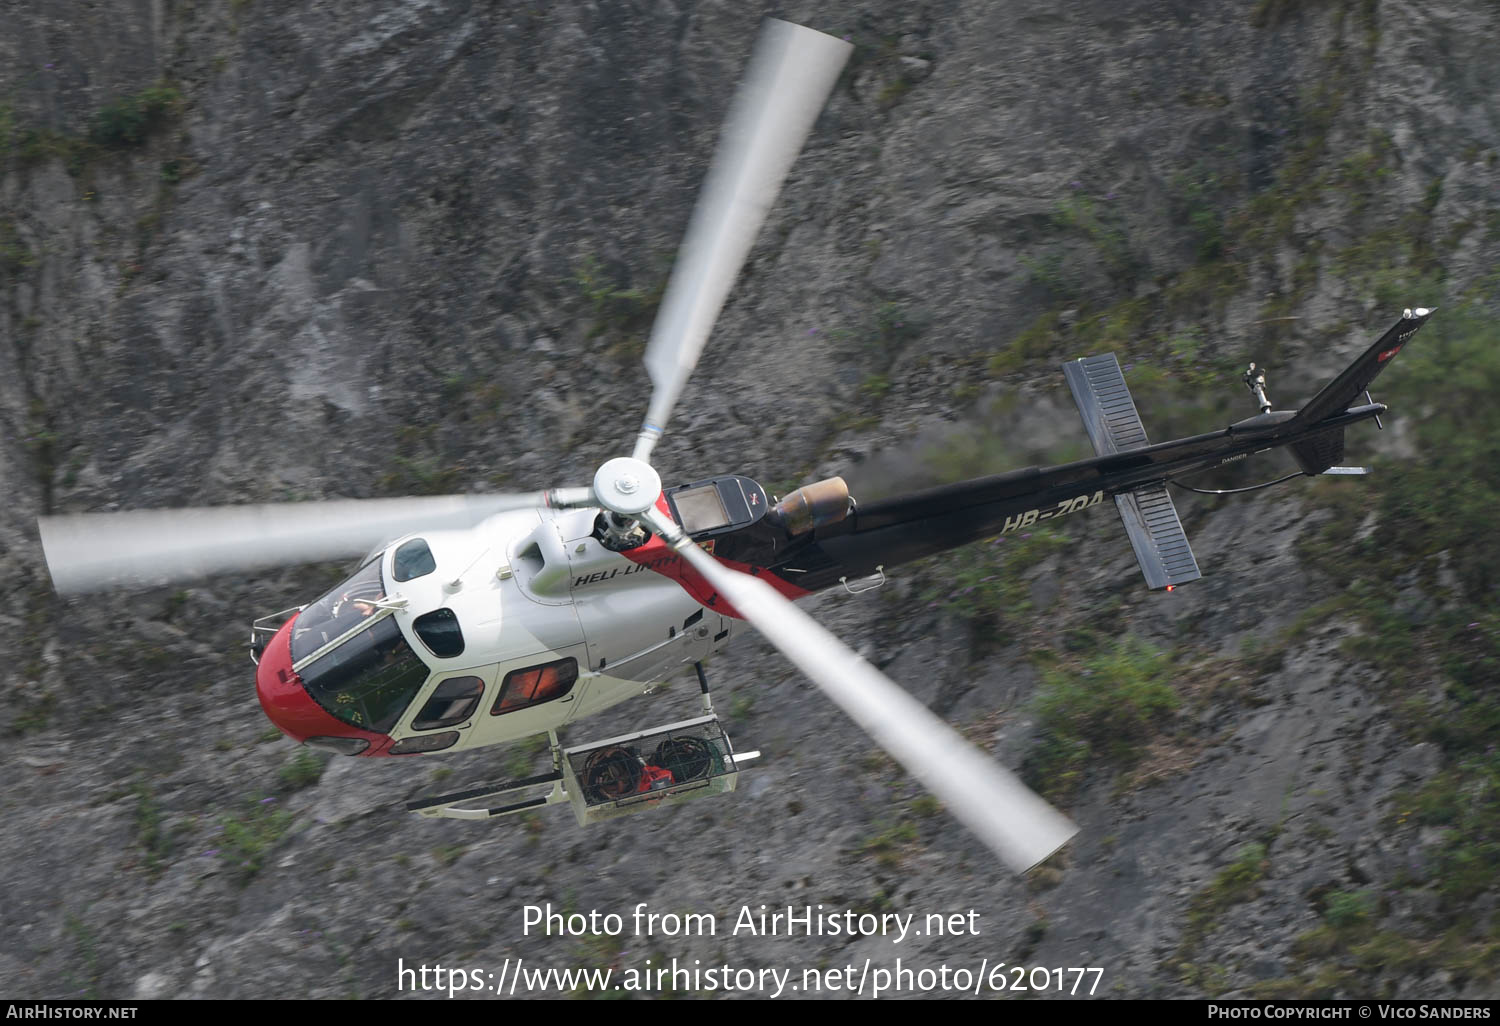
(701, 509)
(439, 632)
(453, 702)
(534, 685)
(412, 560)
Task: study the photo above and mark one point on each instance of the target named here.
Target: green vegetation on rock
(1103, 710)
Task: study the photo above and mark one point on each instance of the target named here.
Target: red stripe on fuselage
(658, 556)
(291, 708)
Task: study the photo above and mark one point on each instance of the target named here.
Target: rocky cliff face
(261, 250)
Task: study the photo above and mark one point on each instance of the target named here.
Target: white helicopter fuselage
(523, 590)
(567, 596)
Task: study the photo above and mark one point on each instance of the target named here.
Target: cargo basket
(649, 769)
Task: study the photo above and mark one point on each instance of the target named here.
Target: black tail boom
(890, 532)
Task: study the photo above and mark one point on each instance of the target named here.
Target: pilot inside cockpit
(339, 611)
(363, 597)
(372, 675)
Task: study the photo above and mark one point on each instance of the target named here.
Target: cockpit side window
(439, 632)
(411, 560)
(534, 685)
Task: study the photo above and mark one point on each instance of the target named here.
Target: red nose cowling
(291, 708)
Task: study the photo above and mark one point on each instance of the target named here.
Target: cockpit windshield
(369, 679)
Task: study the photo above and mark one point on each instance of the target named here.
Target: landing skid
(449, 806)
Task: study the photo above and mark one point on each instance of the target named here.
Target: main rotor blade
(790, 76)
(1014, 822)
(96, 551)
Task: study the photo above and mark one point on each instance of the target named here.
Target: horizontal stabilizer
(1156, 534)
(1114, 426)
(1104, 402)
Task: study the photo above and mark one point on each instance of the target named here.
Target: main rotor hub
(627, 486)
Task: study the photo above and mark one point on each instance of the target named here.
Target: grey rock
(370, 263)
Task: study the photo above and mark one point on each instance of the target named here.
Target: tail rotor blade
(790, 77)
(1015, 823)
(97, 551)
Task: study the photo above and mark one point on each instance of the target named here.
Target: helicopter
(474, 620)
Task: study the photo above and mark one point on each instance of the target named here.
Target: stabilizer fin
(1156, 534)
(1114, 426)
(1105, 404)
(1320, 452)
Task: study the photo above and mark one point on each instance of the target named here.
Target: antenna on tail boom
(1255, 381)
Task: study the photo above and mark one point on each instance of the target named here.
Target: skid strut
(708, 702)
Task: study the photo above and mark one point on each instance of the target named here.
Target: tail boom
(890, 532)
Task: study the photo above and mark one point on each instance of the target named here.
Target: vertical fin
(1320, 452)
(1336, 396)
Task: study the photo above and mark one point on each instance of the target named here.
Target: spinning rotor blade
(1016, 824)
(791, 74)
(96, 551)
